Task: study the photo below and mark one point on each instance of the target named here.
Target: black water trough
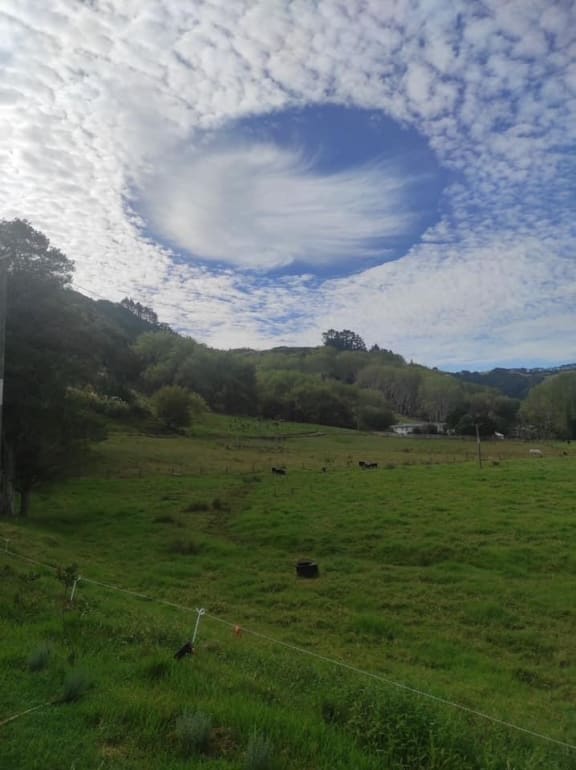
(307, 569)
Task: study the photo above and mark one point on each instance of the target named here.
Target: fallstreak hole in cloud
(263, 206)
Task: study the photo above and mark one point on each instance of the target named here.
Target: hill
(516, 382)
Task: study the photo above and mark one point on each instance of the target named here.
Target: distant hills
(515, 382)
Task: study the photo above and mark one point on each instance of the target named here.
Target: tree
(47, 352)
(343, 340)
(400, 385)
(226, 380)
(175, 406)
(291, 395)
(373, 412)
(28, 254)
(488, 410)
(550, 407)
(325, 403)
(44, 442)
(439, 394)
(143, 312)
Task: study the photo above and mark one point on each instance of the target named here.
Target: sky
(259, 171)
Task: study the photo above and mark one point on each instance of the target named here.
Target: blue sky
(331, 159)
(262, 170)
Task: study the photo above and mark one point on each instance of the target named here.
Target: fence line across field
(296, 649)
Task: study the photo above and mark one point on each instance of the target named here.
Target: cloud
(97, 97)
(264, 207)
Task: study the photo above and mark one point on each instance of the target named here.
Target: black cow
(279, 471)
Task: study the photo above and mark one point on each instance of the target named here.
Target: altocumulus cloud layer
(97, 100)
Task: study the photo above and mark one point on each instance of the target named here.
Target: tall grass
(260, 752)
(193, 732)
(456, 581)
(39, 658)
(75, 686)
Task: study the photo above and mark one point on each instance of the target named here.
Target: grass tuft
(260, 752)
(167, 519)
(184, 547)
(158, 670)
(193, 732)
(39, 658)
(375, 626)
(76, 685)
(196, 507)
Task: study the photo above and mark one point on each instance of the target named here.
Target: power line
(310, 653)
(157, 303)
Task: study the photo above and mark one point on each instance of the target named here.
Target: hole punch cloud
(264, 207)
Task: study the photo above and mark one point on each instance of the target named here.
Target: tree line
(74, 364)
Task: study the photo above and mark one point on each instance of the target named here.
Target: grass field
(454, 580)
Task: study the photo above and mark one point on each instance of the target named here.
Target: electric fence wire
(303, 651)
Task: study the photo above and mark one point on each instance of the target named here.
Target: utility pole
(3, 301)
(478, 445)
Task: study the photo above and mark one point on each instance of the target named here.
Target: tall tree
(143, 312)
(343, 340)
(29, 255)
(47, 351)
(550, 407)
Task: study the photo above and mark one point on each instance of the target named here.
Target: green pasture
(228, 445)
(451, 579)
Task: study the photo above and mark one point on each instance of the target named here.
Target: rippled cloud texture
(97, 100)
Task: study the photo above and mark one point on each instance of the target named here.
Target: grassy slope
(451, 579)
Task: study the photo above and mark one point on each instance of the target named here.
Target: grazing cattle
(535, 453)
(366, 466)
(279, 471)
(362, 464)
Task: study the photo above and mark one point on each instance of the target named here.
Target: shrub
(175, 406)
(109, 406)
(260, 752)
(375, 418)
(76, 685)
(38, 659)
(193, 732)
(184, 547)
(199, 505)
(158, 670)
(167, 519)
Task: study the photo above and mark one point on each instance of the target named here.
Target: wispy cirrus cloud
(265, 207)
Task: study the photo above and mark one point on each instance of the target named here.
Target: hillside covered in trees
(515, 383)
(73, 364)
